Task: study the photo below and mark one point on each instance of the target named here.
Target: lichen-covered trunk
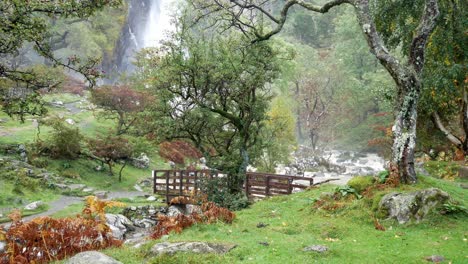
(404, 132)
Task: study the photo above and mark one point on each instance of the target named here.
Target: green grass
(349, 234)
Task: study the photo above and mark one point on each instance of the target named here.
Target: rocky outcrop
(191, 247)
(94, 257)
(141, 162)
(119, 225)
(412, 206)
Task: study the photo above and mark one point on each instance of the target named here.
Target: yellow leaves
(96, 206)
(15, 215)
(332, 239)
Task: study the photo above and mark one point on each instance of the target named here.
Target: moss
(360, 183)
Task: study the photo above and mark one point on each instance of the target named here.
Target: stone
(61, 186)
(94, 257)
(70, 121)
(98, 168)
(415, 205)
(151, 199)
(191, 208)
(435, 258)
(2, 247)
(263, 243)
(141, 162)
(144, 223)
(261, 225)
(88, 190)
(101, 194)
(33, 205)
(191, 247)
(464, 185)
(175, 210)
(119, 225)
(463, 172)
(76, 186)
(316, 248)
(138, 188)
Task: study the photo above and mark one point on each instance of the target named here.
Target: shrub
(360, 183)
(45, 239)
(65, 139)
(217, 191)
(40, 162)
(70, 174)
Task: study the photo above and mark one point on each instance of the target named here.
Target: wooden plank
(167, 187)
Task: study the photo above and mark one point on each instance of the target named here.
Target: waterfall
(146, 24)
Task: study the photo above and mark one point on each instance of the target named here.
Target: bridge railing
(173, 183)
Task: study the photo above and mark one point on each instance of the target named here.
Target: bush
(65, 140)
(40, 162)
(70, 174)
(217, 191)
(360, 183)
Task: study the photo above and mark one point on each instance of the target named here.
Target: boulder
(316, 248)
(33, 205)
(141, 162)
(191, 247)
(94, 257)
(415, 205)
(144, 223)
(175, 210)
(119, 225)
(77, 186)
(101, 194)
(151, 199)
(2, 247)
(463, 172)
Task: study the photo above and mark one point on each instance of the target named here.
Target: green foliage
(383, 176)
(71, 174)
(211, 90)
(279, 136)
(360, 183)
(347, 190)
(65, 140)
(454, 208)
(442, 169)
(217, 191)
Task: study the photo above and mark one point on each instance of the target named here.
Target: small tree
(111, 149)
(178, 151)
(65, 140)
(121, 103)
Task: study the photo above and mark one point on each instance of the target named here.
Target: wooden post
(290, 185)
(247, 185)
(267, 188)
(181, 182)
(154, 180)
(195, 184)
(167, 186)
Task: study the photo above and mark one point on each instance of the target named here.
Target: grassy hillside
(293, 223)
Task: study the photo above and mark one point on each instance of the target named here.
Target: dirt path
(65, 201)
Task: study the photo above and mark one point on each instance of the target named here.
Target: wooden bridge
(173, 183)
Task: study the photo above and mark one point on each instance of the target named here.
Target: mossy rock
(360, 183)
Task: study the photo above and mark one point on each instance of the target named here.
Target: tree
(110, 150)
(28, 23)
(121, 103)
(249, 17)
(212, 90)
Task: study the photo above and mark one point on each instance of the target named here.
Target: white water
(159, 22)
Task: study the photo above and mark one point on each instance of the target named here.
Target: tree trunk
(465, 119)
(121, 169)
(237, 180)
(298, 113)
(404, 131)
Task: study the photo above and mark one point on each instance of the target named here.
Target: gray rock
(101, 194)
(2, 247)
(175, 210)
(463, 172)
(415, 205)
(151, 199)
(119, 225)
(88, 190)
(138, 188)
(144, 223)
(435, 258)
(141, 162)
(192, 247)
(316, 248)
(61, 186)
(464, 185)
(77, 186)
(33, 205)
(191, 208)
(94, 257)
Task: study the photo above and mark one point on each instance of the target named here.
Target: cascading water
(146, 25)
